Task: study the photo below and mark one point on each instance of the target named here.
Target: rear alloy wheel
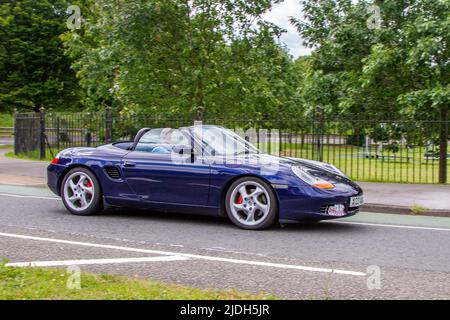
(81, 192)
(251, 204)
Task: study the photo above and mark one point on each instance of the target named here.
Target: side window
(161, 141)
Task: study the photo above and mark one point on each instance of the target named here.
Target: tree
(400, 67)
(179, 57)
(34, 71)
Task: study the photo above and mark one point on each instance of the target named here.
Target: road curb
(381, 208)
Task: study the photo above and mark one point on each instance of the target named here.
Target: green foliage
(398, 69)
(182, 58)
(34, 71)
(219, 58)
(6, 120)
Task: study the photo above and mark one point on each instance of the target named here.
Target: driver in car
(166, 142)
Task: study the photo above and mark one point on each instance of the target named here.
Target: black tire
(272, 215)
(96, 204)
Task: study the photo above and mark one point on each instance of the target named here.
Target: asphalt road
(322, 261)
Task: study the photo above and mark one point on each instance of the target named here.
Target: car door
(156, 177)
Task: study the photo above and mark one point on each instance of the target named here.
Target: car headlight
(311, 179)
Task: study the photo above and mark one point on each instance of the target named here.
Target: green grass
(32, 155)
(418, 209)
(51, 284)
(6, 120)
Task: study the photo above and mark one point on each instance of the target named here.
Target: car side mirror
(182, 149)
(185, 152)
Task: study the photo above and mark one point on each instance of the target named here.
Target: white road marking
(389, 225)
(186, 255)
(29, 197)
(60, 263)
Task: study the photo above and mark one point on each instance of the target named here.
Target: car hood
(298, 162)
(326, 171)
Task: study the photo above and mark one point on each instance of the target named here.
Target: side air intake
(113, 172)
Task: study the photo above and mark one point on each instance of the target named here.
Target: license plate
(356, 201)
(338, 210)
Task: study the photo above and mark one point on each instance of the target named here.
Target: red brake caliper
(88, 184)
(240, 199)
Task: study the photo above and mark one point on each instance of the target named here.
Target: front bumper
(306, 203)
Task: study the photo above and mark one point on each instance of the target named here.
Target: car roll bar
(138, 137)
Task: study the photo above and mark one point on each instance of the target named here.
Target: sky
(280, 15)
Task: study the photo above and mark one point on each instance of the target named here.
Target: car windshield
(219, 141)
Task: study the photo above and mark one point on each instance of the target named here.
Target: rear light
(55, 160)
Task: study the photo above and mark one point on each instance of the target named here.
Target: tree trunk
(200, 113)
(443, 145)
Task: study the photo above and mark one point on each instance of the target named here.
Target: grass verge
(34, 155)
(51, 284)
(418, 209)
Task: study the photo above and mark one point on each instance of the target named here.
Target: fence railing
(404, 151)
(6, 131)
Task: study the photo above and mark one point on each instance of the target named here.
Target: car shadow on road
(172, 217)
(220, 222)
(328, 226)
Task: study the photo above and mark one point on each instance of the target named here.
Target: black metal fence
(27, 128)
(405, 151)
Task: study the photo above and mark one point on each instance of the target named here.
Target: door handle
(129, 164)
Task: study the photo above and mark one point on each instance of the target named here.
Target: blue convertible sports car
(202, 170)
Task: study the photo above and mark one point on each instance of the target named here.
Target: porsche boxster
(206, 170)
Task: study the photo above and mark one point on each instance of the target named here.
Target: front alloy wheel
(251, 204)
(81, 192)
